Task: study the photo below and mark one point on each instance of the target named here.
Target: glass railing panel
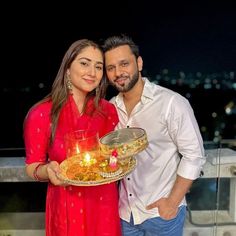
(226, 194)
(202, 197)
(212, 198)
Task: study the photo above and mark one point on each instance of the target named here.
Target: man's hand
(166, 209)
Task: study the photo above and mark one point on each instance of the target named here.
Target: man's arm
(168, 207)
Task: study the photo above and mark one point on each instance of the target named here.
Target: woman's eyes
(83, 63)
(86, 64)
(99, 67)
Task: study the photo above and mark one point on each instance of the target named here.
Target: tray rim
(106, 148)
(66, 180)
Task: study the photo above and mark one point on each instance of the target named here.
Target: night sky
(190, 35)
(178, 35)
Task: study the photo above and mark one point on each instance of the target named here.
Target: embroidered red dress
(73, 210)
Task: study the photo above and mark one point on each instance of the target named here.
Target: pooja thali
(92, 178)
(120, 145)
(127, 142)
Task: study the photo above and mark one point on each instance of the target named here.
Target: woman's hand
(53, 168)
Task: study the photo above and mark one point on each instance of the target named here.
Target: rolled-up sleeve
(185, 133)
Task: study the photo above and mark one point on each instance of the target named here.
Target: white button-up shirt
(175, 147)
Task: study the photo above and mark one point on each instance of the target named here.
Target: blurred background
(189, 47)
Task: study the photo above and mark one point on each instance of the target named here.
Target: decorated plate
(71, 173)
(127, 142)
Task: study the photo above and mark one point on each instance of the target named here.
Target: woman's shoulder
(38, 119)
(107, 107)
(42, 109)
(106, 104)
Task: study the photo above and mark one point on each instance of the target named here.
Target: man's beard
(129, 86)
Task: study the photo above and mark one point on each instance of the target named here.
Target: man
(152, 197)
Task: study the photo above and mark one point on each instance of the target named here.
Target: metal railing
(214, 222)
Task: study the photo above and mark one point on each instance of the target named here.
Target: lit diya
(86, 168)
(113, 160)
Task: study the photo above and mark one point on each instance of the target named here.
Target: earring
(68, 83)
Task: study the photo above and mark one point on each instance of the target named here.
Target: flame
(77, 148)
(87, 158)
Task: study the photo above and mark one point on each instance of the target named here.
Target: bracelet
(35, 173)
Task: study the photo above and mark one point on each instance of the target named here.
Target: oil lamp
(84, 144)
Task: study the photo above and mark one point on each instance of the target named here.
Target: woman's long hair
(60, 92)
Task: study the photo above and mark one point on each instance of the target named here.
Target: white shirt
(172, 129)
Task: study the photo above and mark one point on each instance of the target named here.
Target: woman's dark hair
(60, 92)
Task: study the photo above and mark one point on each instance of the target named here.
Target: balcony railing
(211, 200)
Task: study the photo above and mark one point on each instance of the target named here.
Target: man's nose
(118, 72)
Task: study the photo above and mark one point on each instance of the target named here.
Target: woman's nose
(92, 71)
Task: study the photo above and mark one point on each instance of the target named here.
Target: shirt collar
(148, 91)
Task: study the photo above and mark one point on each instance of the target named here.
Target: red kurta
(73, 210)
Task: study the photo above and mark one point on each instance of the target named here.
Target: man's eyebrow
(119, 62)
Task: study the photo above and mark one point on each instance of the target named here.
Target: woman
(75, 103)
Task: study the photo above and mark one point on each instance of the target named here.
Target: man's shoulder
(113, 99)
(168, 92)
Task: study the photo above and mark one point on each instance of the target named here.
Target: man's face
(122, 68)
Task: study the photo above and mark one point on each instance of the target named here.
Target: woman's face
(86, 70)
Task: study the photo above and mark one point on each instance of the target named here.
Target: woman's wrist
(40, 172)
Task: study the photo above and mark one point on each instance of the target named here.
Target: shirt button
(128, 178)
(130, 194)
(127, 126)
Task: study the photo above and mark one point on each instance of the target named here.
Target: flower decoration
(113, 159)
